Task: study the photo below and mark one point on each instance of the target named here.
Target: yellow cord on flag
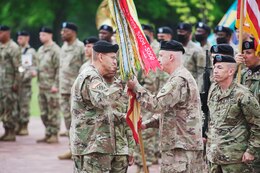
(241, 23)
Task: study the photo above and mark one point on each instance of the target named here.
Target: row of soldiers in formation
(58, 68)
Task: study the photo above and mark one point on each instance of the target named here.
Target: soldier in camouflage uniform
(180, 122)
(27, 71)
(194, 59)
(92, 128)
(9, 77)
(88, 42)
(201, 35)
(250, 77)
(149, 31)
(105, 32)
(48, 78)
(234, 132)
(72, 58)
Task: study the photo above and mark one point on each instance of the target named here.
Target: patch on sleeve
(167, 89)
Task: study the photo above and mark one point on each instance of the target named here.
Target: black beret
(89, 40)
(223, 29)
(172, 46)
(224, 49)
(23, 33)
(185, 26)
(4, 28)
(223, 58)
(103, 46)
(106, 28)
(165, 30)
(46, 29)
(203, 26)
(248, 45)
(70, 25)
(147, 27)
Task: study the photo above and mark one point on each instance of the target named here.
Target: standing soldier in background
(194, 59)
(164, 33)
(250, 78)
(105, 33)
(201, 35)
(48, 78)
(149, 31)
(9, 78)
(71, 59)
(88, 42)
(27, 71)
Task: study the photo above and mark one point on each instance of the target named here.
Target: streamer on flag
(135, 53)
(251, 22)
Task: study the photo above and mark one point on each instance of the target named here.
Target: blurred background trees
(31, 15)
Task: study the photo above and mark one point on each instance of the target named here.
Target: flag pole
(240, 37)
(141, 144)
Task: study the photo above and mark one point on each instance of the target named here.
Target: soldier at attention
(233, 132)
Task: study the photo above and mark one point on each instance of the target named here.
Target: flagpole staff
(141, 144)
(240, 37)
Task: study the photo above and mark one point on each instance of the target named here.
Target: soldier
(105, 33)
(91, 132)
(201, 35)
(9, 77)
(27, 72)
(149, 31)
(234, 131)
(180, 120)
(72, 58)
(164, 33)
(250, 78)
(194, 59)
(48, 79)
(88, 42)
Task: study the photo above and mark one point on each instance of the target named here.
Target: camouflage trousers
(7, 106)
(65, 109)
(24, 99)
(93, 163)
(230, 168)
(119, 164)
(256, 163)
(49, 105)
(182, 161)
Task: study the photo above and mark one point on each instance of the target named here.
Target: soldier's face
(221, 72)
(88, 50)
(164, 37)
(164, 59)
(66, 34)
(104, 35)
(44, 37)
(250, 59)
(22, 40)
(109, 63)
(4, 35)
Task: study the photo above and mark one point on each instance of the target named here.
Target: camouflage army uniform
(92, 128)
(48, 77)
(124, 141)
(251, 79)
(84, 65)
(195, 61)
(155, 45)
(233, 128)
(9, 77)
(72, 58)
(180, 122)
(28, 65)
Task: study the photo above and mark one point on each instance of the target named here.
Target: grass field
(34, 105)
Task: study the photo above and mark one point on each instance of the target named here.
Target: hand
(132, 83)
(204, 140)
(247, 157)
(240, 58)
(33, 73)
(143, 126)
(131, 160)
(54, 89)
(14, 88)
